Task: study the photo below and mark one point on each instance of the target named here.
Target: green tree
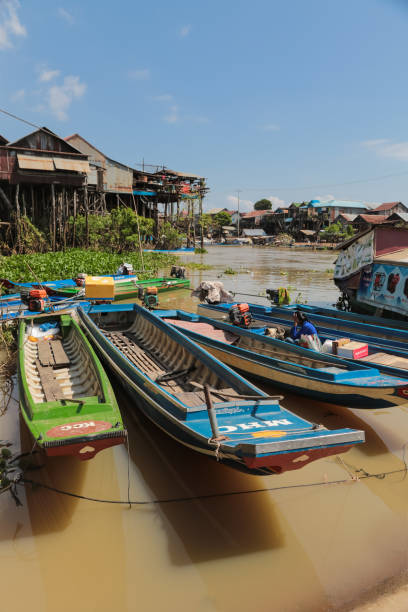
(169, 238)
(205, 221)
(222, 218)
(263, 204)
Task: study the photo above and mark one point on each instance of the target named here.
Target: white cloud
(271, 127)
(64, 14)
(276, 202)
(324, 198)
(48, 75)
(374, 143)
(142, 74)
(173, 115)
(163, 98)
(244, 205)
(398, 150)
(386, 148)
(10, 24)
(185, 31)
(18, 95)
(60, 97)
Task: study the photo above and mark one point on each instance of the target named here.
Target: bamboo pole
(138, 232)
(200, 202)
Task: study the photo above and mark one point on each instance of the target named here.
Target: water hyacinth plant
(53, 266)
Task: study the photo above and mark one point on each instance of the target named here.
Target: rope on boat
(354, 479)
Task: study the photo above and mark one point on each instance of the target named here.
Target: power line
(25, 121)
(324, 185)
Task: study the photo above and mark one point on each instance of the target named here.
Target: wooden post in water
(54, 226)
(32, 204)
(74, 220)
(86, 215)
(18, 224)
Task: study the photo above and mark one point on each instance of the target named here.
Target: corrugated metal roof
(307, 232)
(374, 219)
(182, 174)
(30, 162)
(337, 204)
(75, 165)
(253, 232)
(255, 213)
(387, 205)
(395, 216)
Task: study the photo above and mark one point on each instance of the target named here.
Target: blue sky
(287, 100)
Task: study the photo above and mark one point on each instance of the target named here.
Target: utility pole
(238, 192)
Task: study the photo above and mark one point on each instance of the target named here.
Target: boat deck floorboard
(155, 366)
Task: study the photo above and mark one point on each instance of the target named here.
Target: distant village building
(388, 208)
(363, 222)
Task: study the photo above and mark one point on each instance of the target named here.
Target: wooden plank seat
(387, 359)
(50, 385)
(158, 361)
(52, 353)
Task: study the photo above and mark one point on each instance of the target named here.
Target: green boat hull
(129, 289)
(66, 398)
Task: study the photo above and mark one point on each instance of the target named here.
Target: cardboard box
(99, 288)
(339, 342)
(353, 350)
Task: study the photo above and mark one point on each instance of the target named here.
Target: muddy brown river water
(279, 545)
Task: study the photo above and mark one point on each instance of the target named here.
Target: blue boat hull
(293, 368)
(245, 419)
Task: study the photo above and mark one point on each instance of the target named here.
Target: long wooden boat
(293, 368)
(330, 327)
(66, 399)
(127, 289)
(179, 386)
(313, 309)
(12, 312)
(11, 286)
(180, 251)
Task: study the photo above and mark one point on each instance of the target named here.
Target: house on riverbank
(46, 180)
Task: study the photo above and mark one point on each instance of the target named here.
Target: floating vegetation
(229, 271)
(299, 299)
(199, 250)
(330, 271)
(192, 265)
(282, 272)
(50, 266)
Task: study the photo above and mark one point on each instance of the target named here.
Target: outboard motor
(239, 315)
(149, 297)
(36, 300)
(272, 295)
(80, 279)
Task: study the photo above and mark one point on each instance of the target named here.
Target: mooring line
(365, 475)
